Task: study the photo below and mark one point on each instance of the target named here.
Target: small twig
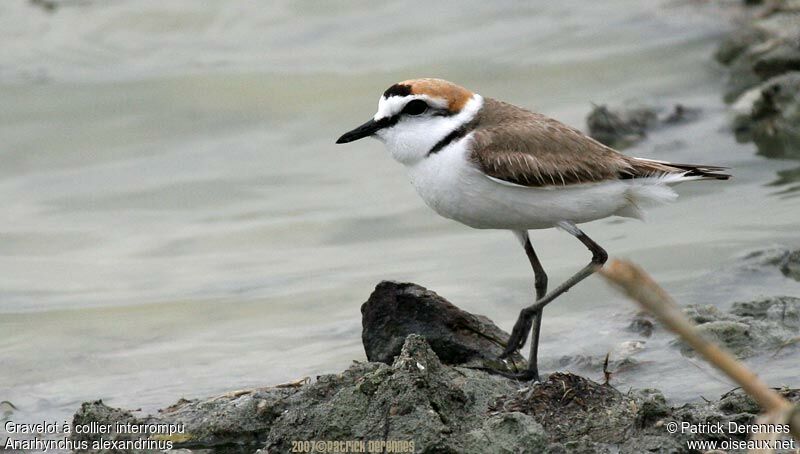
(606, 372)
(639, 286)
(295, 383)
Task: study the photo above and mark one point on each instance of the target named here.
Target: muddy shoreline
(439, 391)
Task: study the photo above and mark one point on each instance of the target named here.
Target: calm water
(176, 220)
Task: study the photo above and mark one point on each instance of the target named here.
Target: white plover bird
(493, 165)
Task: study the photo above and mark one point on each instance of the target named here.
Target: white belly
(456, 189)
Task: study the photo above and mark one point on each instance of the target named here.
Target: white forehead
(391, 106)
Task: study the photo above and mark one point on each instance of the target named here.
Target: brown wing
(530, 149)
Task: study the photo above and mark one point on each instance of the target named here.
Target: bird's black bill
(367, 129)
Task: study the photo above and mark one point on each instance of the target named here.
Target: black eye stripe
(388, 122)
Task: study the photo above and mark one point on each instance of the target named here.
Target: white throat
(410, 140)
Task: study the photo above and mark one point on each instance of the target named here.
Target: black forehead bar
(397, 90)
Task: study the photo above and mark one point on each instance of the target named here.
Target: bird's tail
(651, 181)
(687, 172)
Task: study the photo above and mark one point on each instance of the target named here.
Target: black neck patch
(397, 90)
(453, 136)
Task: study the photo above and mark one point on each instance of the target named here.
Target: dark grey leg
(533, 312)
(540, 283)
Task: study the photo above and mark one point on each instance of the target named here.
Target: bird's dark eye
(415, 107)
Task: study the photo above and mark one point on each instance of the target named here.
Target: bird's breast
(448, 182)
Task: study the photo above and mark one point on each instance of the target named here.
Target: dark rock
(733, 403)
(756, 53)
(625, 126)
(705, 314)
(786, 260)
(98, 412)
(763, 59)
(507, 432)
(769, 116)
(396, 310)
(642, 324)
(733, 335)
(652, 408)
(237, 422)
(417, 398)
(446, 409)
(681, 114)
(565, 401)
(438, 408)
(750, 327)
(620, 128)
(781, 58)
(780, 309)
(790, 265)
(581, 446)
(741, 78)
(579, 415)
(738, 42)
(6, 411)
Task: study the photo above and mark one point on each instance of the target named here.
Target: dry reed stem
(640, 287)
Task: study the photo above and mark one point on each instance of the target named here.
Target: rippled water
(176, 220)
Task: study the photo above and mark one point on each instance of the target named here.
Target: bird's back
(526, 148)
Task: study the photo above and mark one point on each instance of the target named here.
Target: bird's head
(414, 115)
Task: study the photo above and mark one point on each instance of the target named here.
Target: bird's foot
(519, 335)
(525, 375)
